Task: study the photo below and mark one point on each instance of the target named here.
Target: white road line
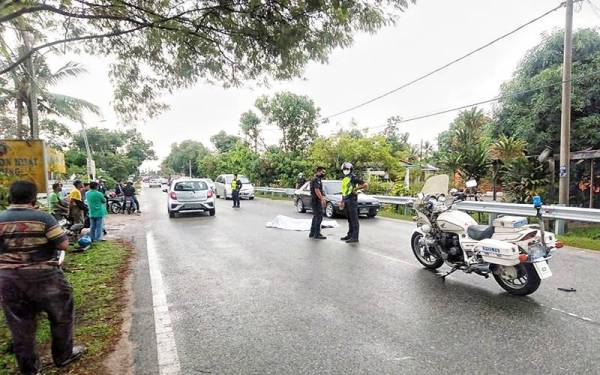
(586, 319)
(168, 360)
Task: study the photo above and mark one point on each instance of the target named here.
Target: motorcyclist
(129, 192)
(301, 180)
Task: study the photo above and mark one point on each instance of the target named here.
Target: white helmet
(347, 165)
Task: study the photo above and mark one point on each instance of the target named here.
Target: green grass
(389, 211)
(276, 197)
(585, 238)
(97, 280)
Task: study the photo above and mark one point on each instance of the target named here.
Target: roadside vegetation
(97, 277)
(585, 238)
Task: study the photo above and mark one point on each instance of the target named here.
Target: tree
(295, 115)
(249, 123)
(29, 85)
(525, 178)
(159, 46)
(185, 155)
(224, 142)
(534, 116)
(502, 152)
(118, 153)
(464, 147)
(364, 153)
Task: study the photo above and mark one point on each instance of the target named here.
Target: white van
(223, 187)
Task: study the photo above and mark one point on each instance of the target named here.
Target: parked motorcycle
(515, 253)
(115, 203)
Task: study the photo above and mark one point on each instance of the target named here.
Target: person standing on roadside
(236, 186)
(97, 203)
(76, 205)
(31, 280)
(350, 186)
(300, 181)
(318, 204)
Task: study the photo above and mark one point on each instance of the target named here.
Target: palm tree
(503, 151)
(28, 87)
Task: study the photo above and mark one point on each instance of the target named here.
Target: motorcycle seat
(480, 232)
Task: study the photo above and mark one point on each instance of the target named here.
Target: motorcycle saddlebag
(509, 224)
(498, 252)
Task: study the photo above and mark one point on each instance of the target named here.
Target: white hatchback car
(190, 195)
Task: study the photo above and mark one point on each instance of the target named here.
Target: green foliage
(224, 142)
(250, 126)
(364, 153)
(464, 147)
(525, 178)
(159, 46)
(118, 153)
(183, 155)
(535, 116)
(295, 115)
(239, 159)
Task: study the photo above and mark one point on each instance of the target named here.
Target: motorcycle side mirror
(471, 183)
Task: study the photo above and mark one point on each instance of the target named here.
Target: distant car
(367, 205)
(155, 182)
(190, 195)
(223, 187)
(210, 183)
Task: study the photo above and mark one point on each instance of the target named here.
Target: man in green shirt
(97, 204)
(55, 204)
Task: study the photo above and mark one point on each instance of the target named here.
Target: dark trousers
(351, 211)
(135, 201)
(235, 195)
(317, 209)
(26, 293)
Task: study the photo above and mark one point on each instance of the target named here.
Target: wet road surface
(240, 298)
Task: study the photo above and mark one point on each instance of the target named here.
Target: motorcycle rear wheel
(526, 282)
(423, 255)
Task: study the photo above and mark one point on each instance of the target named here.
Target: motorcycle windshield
(436, 185)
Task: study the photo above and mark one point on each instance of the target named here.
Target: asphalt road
(245, 299)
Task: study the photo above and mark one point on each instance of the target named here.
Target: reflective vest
(234, 185)
(347, 186)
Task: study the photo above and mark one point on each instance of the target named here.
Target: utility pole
(91, 168)
(565, 121)
(190, 167)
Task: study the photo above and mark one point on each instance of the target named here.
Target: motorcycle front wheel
(423, 255)
(519, 280)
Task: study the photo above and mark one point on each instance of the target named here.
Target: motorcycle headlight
(536, 251)
(426, 228)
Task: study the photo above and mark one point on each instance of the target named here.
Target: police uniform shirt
(349, 183)
(316, 184)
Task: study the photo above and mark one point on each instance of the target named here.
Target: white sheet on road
(286, 222)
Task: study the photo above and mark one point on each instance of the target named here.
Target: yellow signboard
(56, 161)
(23, 160)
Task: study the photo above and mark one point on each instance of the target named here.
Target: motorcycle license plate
(543, 269)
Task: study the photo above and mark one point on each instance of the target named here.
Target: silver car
(223, 187)
(189, 195)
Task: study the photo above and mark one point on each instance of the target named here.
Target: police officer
(350, 186)
(318, 204)
(236, 186)
(300, 181)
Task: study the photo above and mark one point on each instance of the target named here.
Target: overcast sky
(428, 35)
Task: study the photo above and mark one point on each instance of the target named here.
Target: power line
(420, 78)
(420, 117)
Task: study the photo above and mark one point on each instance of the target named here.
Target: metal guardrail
(590, 215)
(283, 191)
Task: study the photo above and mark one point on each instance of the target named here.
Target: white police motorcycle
(515, 253)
